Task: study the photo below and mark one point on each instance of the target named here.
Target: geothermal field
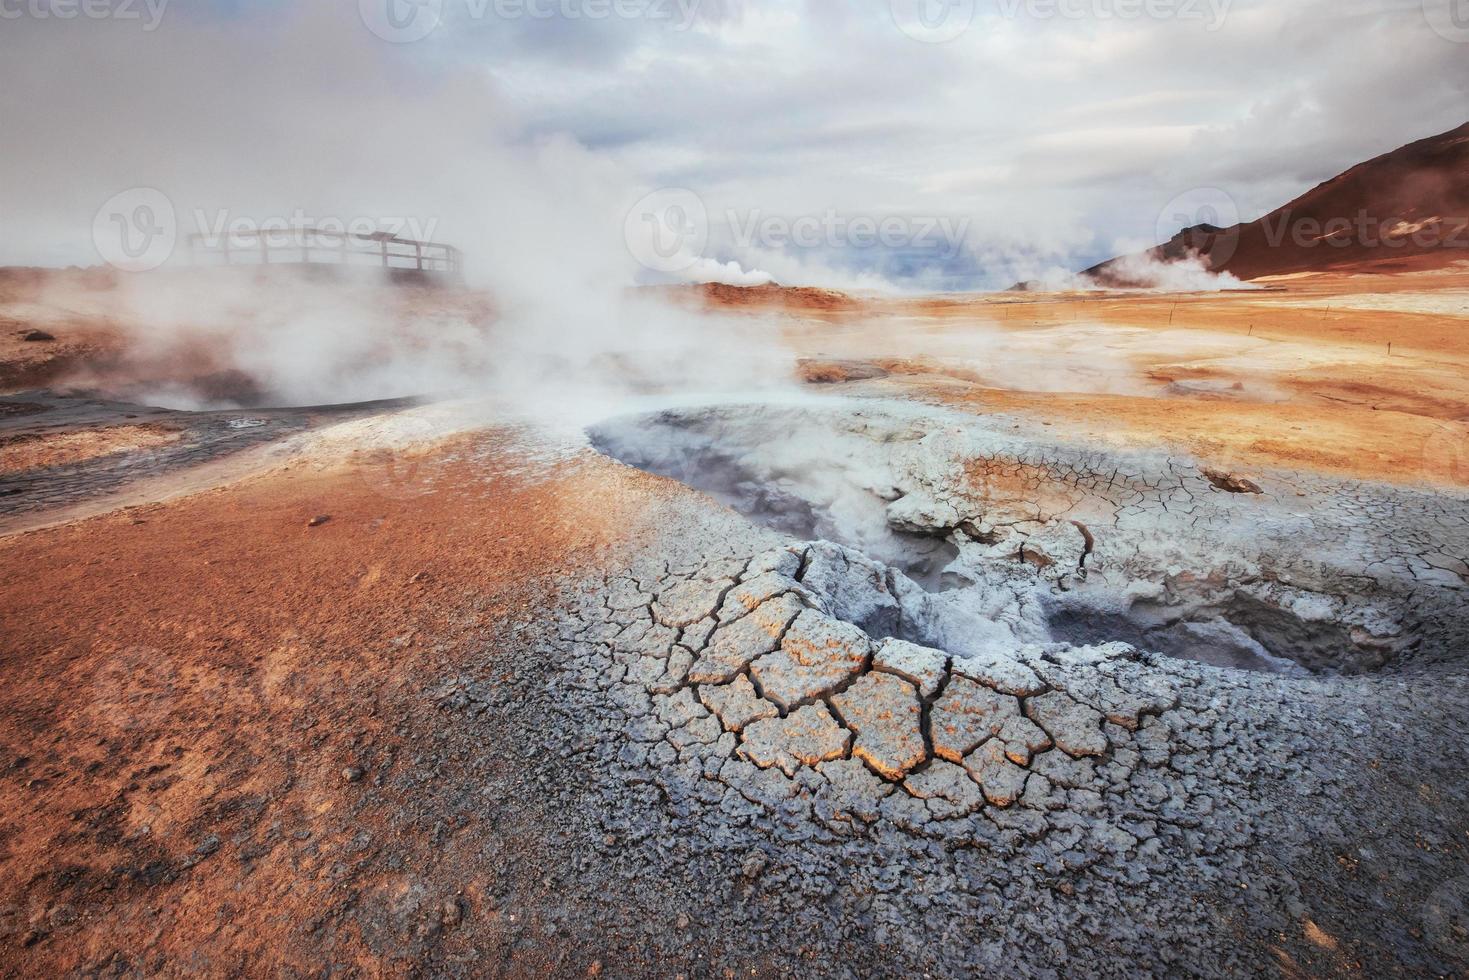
(562, 586)
(989, 634)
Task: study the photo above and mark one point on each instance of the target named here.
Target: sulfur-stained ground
(502, 705)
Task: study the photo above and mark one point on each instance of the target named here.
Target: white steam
(358, 128)
(1185, 275)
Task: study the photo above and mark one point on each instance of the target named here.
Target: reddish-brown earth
(201, 695)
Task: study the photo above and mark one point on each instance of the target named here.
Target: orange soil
(211, 666)
(1319, 387)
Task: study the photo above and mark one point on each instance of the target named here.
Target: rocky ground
(586, 721)
(911, 676)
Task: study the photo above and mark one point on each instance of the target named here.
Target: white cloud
(1053, 137)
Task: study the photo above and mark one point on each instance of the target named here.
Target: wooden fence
(314, 246)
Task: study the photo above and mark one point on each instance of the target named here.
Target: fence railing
(315, 246)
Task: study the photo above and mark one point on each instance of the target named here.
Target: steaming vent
(933, 554)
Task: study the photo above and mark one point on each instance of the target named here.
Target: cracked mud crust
(1096, 810)
(717, 750)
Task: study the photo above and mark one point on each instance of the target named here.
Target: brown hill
(1405, 209)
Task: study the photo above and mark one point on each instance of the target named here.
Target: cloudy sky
(934, 144)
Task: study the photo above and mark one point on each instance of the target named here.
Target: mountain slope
(1404, 209)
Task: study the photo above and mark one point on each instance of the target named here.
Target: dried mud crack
(710, 747)
(1055, 753)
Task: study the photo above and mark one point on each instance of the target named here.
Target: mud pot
(891, 691)
(1011, 541)
(928, 668)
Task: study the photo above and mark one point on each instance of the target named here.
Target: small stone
(37, 337)
(352, 774)
(318, 521)
(1232, 482)
(60, 916)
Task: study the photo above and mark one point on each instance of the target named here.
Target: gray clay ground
(803, 793)
(742, 750)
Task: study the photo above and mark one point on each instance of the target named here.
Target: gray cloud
(1056, 138)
